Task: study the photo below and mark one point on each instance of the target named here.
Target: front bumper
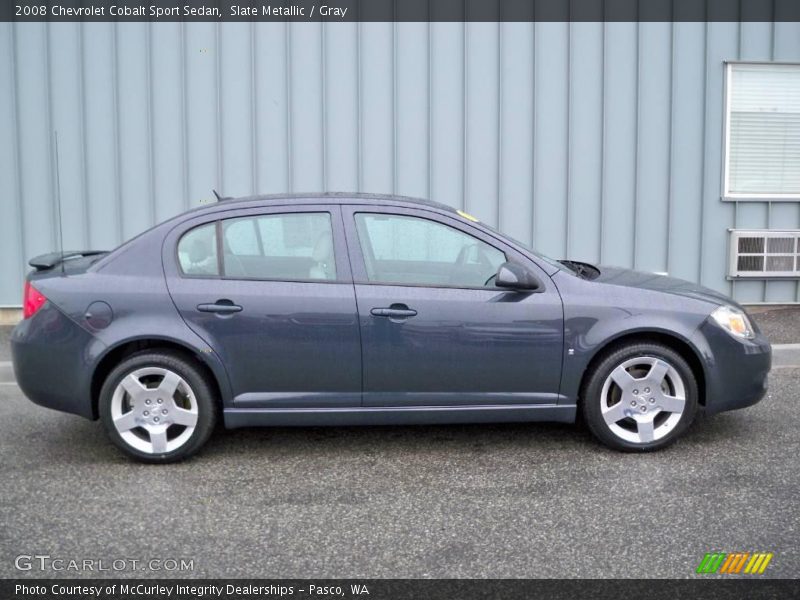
(51, 360)
(736, 370)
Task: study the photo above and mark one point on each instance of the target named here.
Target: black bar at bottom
(402, 589)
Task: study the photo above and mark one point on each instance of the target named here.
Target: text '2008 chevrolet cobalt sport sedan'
(352, 309)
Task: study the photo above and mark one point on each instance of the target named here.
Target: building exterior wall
(598, 141)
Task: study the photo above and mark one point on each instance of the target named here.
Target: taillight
(32, 301)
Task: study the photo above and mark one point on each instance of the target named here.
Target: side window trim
(365, 247)
(220, 246)
(259, 239)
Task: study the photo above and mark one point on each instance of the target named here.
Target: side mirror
(516, 277)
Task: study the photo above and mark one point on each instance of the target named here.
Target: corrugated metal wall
(598, 141)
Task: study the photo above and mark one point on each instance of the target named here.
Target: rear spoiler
(48, 261)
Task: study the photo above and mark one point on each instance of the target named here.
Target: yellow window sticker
(467, 216)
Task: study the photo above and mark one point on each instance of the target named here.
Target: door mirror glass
(516, 277)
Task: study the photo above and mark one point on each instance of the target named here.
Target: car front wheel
(157, 407)
(640, 397)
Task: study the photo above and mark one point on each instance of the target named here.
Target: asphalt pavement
(520, 500)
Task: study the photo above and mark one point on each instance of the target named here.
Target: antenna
(221, 198)
(58, 204)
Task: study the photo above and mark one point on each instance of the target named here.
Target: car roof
(328, 198)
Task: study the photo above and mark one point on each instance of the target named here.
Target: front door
(434, 329)
(271, 292)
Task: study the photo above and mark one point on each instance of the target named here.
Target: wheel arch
(114, 355)
(682, 346)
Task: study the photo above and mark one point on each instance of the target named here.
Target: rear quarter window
(197, 251)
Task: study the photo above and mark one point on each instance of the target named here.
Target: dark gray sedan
(343, 309)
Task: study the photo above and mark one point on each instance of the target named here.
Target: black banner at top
(399, 10)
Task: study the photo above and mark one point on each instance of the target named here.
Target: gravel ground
(780, 324)
(522, 500)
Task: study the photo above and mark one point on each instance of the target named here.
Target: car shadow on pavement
(394, 441)
(86, 442)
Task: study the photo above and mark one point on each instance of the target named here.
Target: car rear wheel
(640, 397)
(157, 407)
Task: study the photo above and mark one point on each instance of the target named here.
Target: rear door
(434, 329)
(270, 291)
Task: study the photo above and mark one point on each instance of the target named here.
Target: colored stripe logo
(735, 563)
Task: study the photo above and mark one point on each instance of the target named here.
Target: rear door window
(291, 246)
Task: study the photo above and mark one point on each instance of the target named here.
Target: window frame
(343, 274)
(727, 195)
(360, 276)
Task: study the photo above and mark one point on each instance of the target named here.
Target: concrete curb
(785, 356)
(6, 373)
(10, 316)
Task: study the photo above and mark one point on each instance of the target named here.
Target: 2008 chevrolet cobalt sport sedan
(352, 309)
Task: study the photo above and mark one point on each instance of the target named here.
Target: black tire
(591, 395)
(196, 380)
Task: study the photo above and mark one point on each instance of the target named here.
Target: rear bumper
(736, 370)
(51, 361)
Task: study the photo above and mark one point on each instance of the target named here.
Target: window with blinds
(763, 131)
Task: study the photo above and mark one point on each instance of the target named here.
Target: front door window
(410, 250)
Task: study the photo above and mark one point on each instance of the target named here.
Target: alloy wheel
(643, 399)
(154, 410)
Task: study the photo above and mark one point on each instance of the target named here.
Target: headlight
(733, 321)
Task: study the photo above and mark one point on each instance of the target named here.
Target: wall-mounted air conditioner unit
(764, 253)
